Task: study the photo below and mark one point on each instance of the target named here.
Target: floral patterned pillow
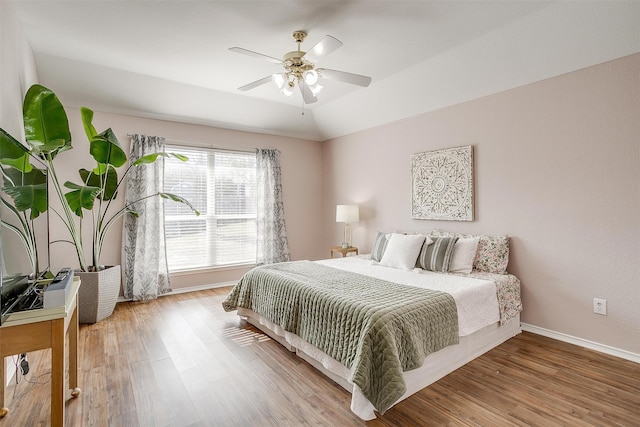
(493, 251)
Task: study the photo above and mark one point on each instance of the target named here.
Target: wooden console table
(40, 329)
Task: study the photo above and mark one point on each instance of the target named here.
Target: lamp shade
(347, 213)
(279, 80)
(310, 77)
(287, 90)
(315, 89)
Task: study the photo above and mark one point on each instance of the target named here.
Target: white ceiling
(170, 59)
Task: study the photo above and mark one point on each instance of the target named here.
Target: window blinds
(221, 185)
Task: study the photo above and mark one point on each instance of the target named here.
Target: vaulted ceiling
(170, 59)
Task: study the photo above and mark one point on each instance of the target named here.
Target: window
(221, 185)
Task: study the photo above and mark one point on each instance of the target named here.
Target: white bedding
(476, 299)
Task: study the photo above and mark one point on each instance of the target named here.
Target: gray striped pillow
(437, 255)
(379, 246)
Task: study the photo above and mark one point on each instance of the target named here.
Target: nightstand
(343, 251)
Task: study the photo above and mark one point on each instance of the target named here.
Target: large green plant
(47, 135)
(26, 185)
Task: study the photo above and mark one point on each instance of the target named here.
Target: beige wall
(557, 167)
(301, 182)
(17, 71)
(17, 74)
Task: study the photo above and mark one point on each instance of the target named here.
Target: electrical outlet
(600, 306)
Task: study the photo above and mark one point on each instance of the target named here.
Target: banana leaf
(45, 122)
(150, 158)
(28, 190)
(87, 117)
(29, 197)
(14, 177)
(94, 179)
(13, 153)
(104, 147)
(82, 197)
(179, 199)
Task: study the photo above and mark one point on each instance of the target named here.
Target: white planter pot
(98, 294)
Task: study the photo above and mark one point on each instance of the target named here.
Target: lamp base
(345, 245)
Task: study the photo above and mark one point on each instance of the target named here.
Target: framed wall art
(442, 184)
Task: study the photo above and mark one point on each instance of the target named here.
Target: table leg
(3, 410)
(73, 354)
(57, 373)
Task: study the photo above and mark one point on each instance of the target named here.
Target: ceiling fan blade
(256, 83)
(324, 47)
(307, 95)
(343, 76)
(255, 54)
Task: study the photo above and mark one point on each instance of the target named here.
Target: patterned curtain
(145, 273)
(272, 245)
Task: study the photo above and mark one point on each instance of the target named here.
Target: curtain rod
(205, 145)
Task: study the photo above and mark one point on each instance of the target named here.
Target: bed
(382, 327)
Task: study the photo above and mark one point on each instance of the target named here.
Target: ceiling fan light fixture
(315, 89)
(310, 77)
(279, 80)
(287, 90)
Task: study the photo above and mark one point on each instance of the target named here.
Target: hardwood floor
(182, 361)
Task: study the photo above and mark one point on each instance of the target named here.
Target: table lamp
(347, 214)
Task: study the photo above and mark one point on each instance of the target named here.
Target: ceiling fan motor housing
(295, 65)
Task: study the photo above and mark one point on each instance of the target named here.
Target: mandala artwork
(442, 184)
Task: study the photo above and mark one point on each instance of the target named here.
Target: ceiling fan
(300, 69)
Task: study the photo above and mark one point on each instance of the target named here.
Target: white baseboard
(201, 287)
(602, 348)
(190, 289)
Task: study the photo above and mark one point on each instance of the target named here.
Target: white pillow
(402, 250)
(464, 253)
